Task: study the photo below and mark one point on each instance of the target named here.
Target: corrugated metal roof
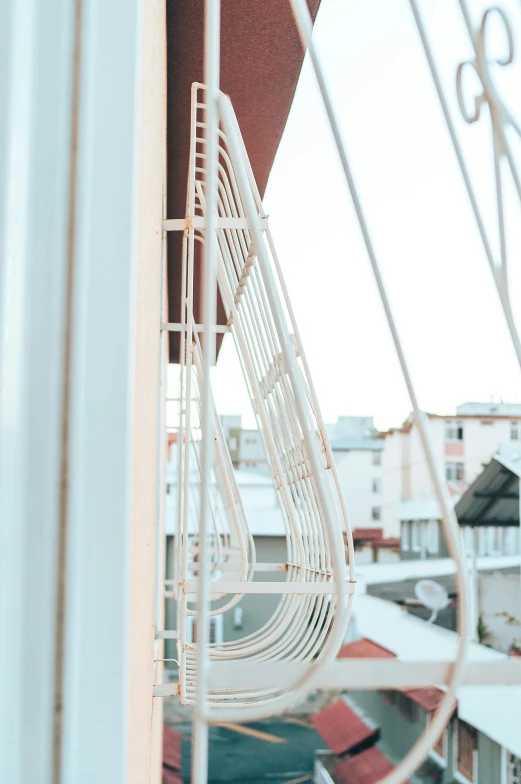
(368, 767)
(342, 729)
(493, 497)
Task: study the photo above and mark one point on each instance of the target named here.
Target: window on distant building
(389, 696)
(513, 769)
(377, 458)
(515, 430)
(433, 536)
(495, 540)
(406, 535)
(454, 471)
(440, 749)
(376, 485)
(415, 536)
(233, 442)
(465, 750)
(453, 430)
(376, 513)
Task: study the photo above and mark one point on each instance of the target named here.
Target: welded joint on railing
(167, 690)
(275, 372)
(196, 222)
(166, 634)
(245, 274)
(167, 326)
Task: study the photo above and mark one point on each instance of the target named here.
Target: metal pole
(420, 750)
(211, 75)
(474, 584)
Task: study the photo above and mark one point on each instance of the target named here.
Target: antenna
(433, 596)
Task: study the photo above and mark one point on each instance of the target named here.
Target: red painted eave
(261, 58)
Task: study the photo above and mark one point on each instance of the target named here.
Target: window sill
(441, 761)
(463, 779)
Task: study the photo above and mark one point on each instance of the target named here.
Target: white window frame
(405, 535)
(433, 537)
(457, 775)
(451, 430)
(415, 536)
(377, 458)
(378, 517)
(492, 531)
(506, 778)
(515, 431)
(376, 485)
(454, 464)
(442, 761)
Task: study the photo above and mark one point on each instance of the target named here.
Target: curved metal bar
(304, 626)
(450, 526)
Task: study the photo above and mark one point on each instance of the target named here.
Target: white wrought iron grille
(225, 215)
(310, 619)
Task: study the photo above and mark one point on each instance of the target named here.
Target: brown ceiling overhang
(261, 58)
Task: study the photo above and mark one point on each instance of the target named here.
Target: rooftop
(371, 574)
(493, 498)
(357, 445)
(493, 710)
(342, 729)
(368, 767)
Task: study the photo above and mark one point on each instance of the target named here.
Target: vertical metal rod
(211, 75)
(475, 583)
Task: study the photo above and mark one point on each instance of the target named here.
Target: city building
(463, 444)
(246, 447)
(358, 457)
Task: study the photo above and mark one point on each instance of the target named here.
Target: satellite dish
(433, 596)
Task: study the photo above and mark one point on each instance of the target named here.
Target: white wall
(501, 593)
(394, 471)
(406, 477)
(356, 472)
(481, 442)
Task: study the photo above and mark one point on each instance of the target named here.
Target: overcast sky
(431, 256)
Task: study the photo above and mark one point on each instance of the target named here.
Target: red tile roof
(341, 728)
(364, 649)
(171, 749)
(427, 697)
(368, 767)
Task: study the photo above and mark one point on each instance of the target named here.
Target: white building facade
(358, 457)
(463, 444)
